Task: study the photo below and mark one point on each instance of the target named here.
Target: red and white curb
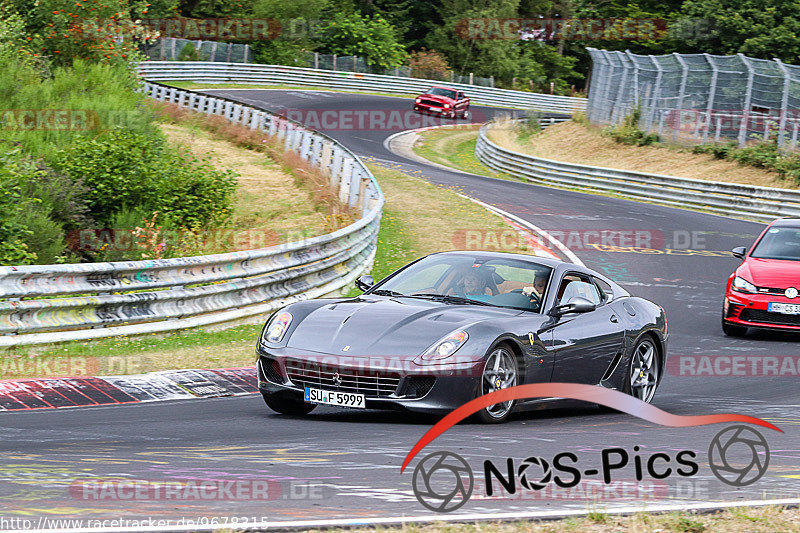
(57, 393)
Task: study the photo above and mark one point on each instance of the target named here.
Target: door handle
(614, 319)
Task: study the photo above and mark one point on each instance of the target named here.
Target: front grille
(425, 101)
(765, 317)
(373, 384)
(769, 290)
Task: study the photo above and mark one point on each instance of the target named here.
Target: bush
(759, 154)
(429, 64)
(13, 233)
(128, 171)
(628, 132)
(189, 53)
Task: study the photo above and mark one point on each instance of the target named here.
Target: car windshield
(462, 278)
(438, 91)
(779, 243)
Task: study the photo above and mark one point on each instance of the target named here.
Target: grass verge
(417, 221)
(455, 148)
(738, 520)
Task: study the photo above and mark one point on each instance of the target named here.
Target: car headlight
(446, 346)
(418, 100)
(742, 285)
(277, 327)
(446, 106)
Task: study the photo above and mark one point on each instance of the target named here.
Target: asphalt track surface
(346, 464)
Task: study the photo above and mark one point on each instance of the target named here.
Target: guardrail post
(326, 152)
(336, 167)
(355, 186)
(201, 104)
(681, 94)
(747, 97)
(784, 102)
(255, 119)
(344, 183)
(305, 145)
(316, 151)
(711, 95)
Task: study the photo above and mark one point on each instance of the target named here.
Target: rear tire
(733, 331)
(287, 406)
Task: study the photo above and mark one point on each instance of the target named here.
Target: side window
(460, 96)
(574, 285)
(606, 292)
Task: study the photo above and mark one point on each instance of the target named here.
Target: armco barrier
(135, 297)
(761, 203)
(205, 72)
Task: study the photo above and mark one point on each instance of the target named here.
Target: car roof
(443, 87)
(506, 255)
(791, 222)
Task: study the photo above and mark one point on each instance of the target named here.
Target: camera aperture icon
(443, 482)
(738, 455)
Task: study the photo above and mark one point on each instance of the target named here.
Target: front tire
(465, 114)
(733, 331)
(500, 371)
(644, 371)
(287, 406)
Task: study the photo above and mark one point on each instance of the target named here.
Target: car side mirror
(575, 305)
(364, 283)
(739, 252)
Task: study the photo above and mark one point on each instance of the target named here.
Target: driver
(474, 286)
(537, 290)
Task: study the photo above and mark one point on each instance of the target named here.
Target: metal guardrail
(203, 72)
(761, 203)
(135, 297)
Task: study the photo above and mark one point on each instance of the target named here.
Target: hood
(401, 327)
(772, 273)
(437, 98)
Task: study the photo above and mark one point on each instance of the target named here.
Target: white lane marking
(555, 242)
(420, 519)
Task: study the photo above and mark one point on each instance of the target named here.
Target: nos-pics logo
(443, 481)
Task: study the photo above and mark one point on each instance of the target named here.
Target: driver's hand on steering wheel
(529, 291)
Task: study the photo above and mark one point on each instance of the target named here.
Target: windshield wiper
(386, 292)
(448, 298)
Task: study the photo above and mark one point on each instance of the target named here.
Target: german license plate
(786, 309)
(339, 399)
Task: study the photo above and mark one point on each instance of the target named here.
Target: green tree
(373, 39)
(764, 28)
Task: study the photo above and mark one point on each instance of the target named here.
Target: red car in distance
(443, 101)
(763, 291)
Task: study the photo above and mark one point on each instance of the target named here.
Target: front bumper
(386, 383)
(752, 310)
(419, 108)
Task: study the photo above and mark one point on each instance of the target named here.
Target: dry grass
(744, 520)
(578, 143)
(262, 200)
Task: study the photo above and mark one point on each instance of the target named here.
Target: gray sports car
(452, 326)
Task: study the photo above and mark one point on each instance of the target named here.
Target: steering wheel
(534, 298)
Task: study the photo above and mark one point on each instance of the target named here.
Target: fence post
(607, 88)
(470, 78)
(617, 108)
(784, 102)
(711, 95)
(334, 61)
(316, 60)
(656, 90)
(681, 94)
(747, 97)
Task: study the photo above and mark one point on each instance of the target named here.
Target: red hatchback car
(443, 101)
(763, 291)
